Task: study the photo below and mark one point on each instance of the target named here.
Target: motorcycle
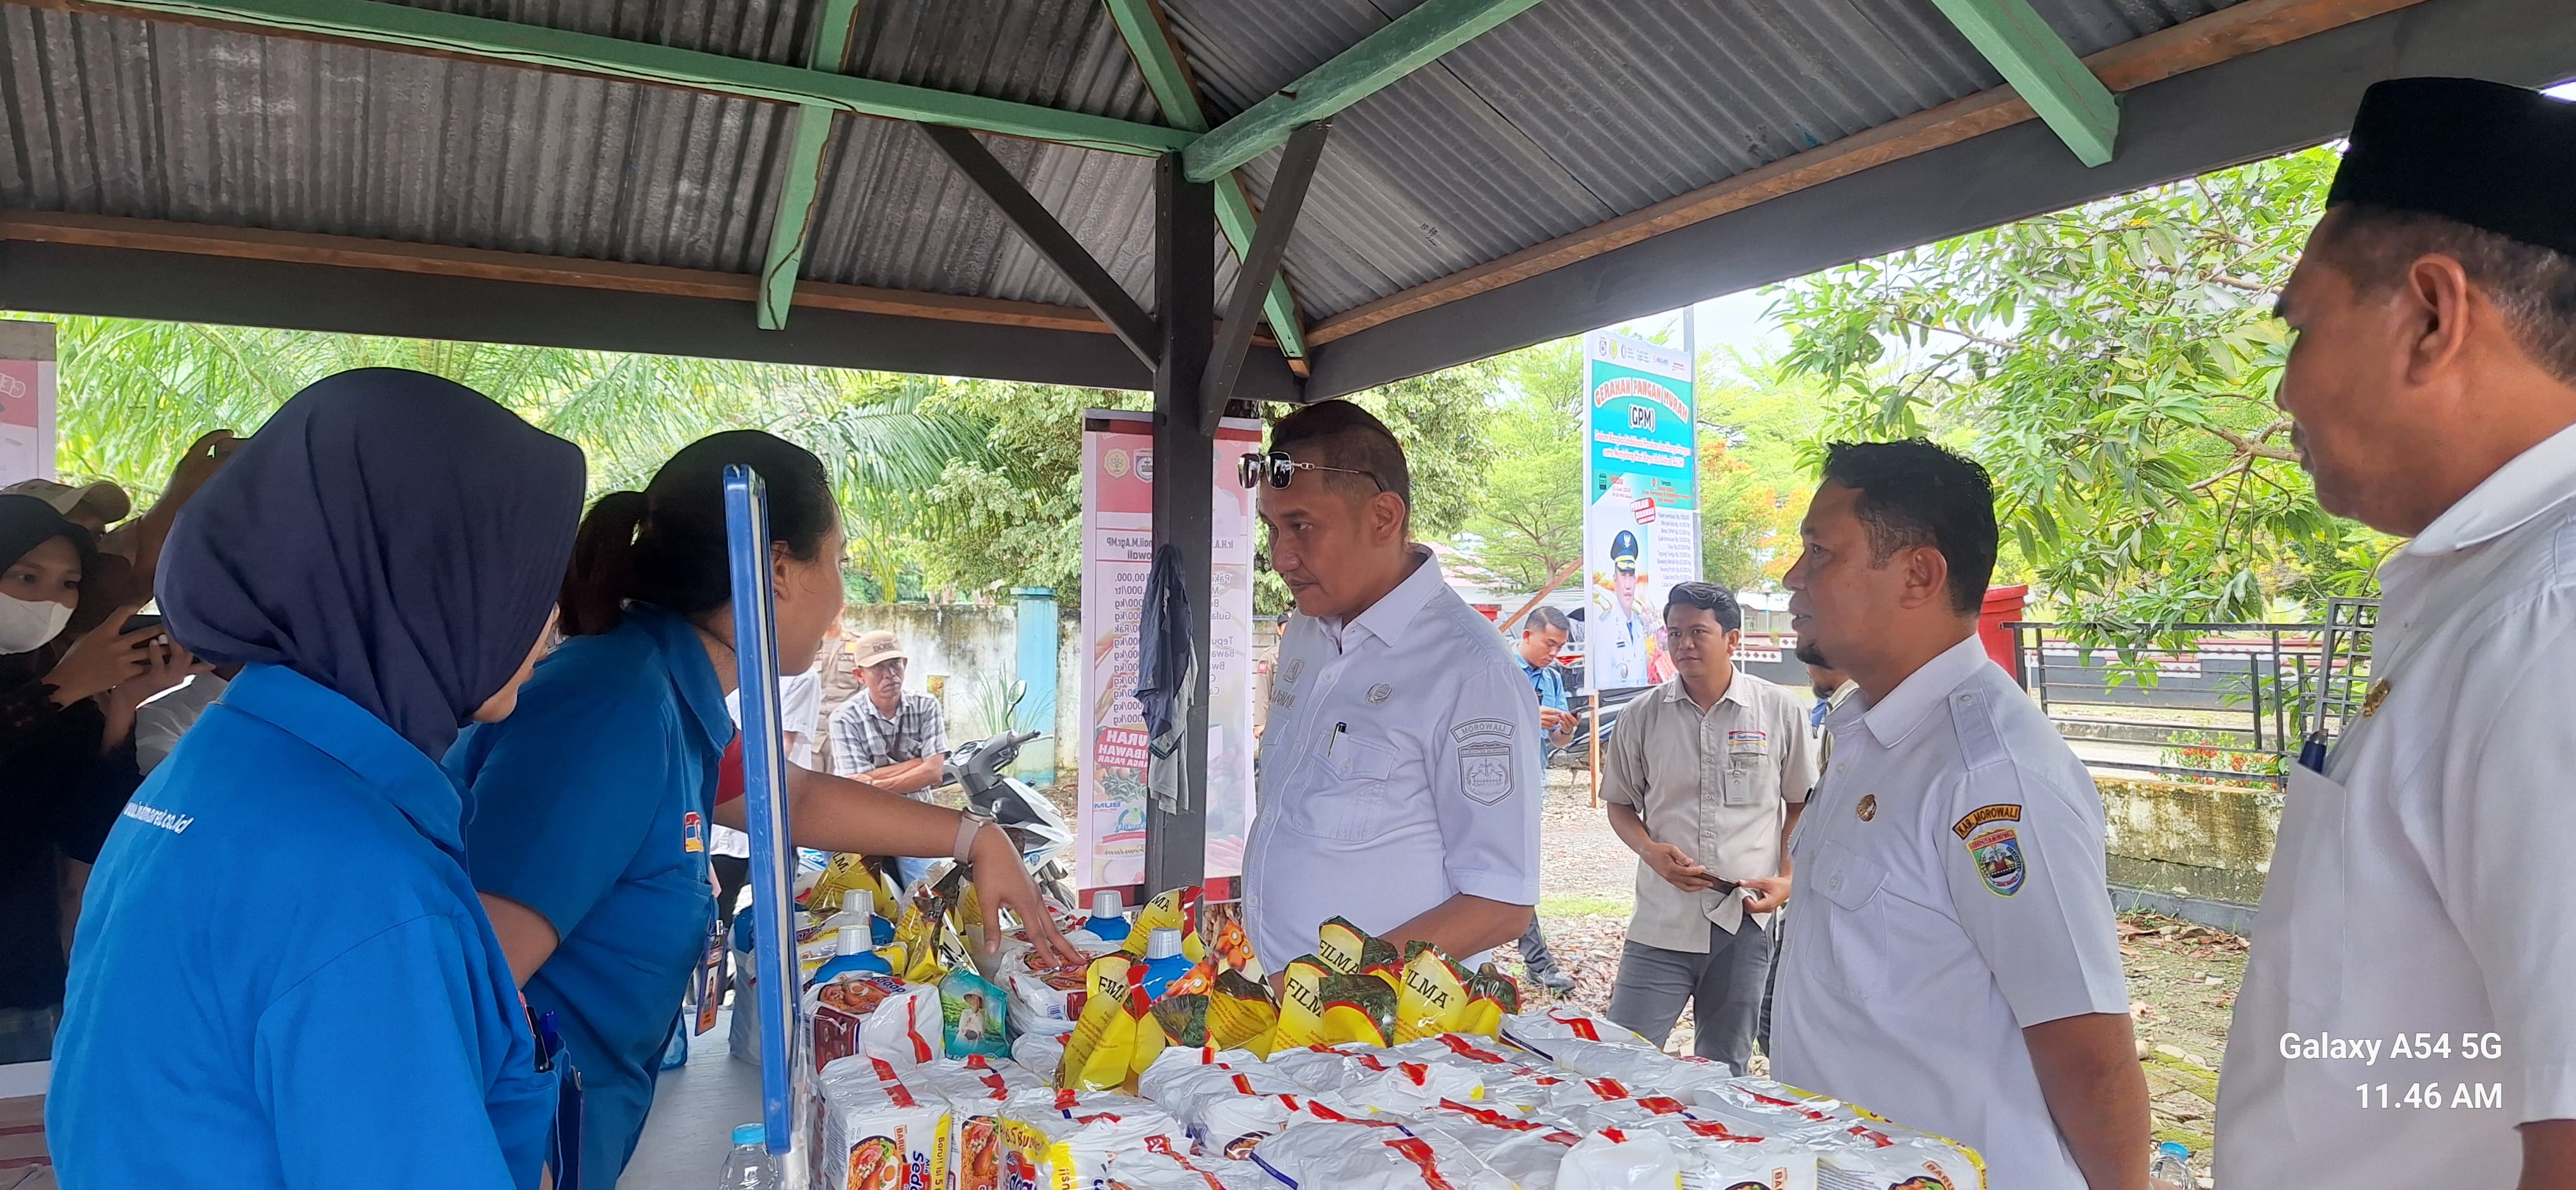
(1044, 838)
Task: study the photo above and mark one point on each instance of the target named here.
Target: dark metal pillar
(1184, 475)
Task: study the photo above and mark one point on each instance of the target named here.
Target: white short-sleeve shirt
(2422, 888)
(1951, 893)
(1399, 768)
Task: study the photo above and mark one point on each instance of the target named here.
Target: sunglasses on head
(1282, 470)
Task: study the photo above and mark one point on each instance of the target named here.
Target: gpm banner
(1641, 516)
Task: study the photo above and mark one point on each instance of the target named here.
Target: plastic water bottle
(2169, 1169)
(749, 1168)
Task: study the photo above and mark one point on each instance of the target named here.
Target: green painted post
(792, 221)
(1406, 44)
(2044, 70)
(1160, 63)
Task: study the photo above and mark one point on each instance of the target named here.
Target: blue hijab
(396, 537)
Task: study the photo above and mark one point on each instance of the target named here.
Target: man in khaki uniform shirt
(1705, 776)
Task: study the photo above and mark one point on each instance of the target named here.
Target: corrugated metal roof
(1574, 112)
(163, 121)
(1580, 110)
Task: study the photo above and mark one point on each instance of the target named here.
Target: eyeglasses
(1283, 470)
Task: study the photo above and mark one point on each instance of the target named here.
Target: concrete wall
(2212, 842)
(974, 650)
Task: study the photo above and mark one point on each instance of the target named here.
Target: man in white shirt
(2409, 1010)
(1705, 777)
(1399, 775)
(1954, 965)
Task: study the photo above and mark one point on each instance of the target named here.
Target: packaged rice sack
(974, 1090)
(1158, 1167)
(1615, 1159)
(1063, 1140)
(877, 1134)
(905, 1029)
(1537, 1031)
(1732, 1162)
(1651, 1069)
(1908, 1161)
(836, 1012)
(1040, 1054)
(1526, 1151)
(1509, 1080)
(1372, 1155)
(1361, 1078)
(1223, 1105)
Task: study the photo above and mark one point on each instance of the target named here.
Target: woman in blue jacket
(282, 976)
(591, 803)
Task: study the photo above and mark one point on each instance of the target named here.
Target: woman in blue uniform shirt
(282, 976)
(591, 803)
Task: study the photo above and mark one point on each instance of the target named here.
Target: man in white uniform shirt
(1399, 775)
(2409, 1010)
(1954, 965)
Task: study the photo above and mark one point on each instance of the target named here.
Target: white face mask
(25, 626)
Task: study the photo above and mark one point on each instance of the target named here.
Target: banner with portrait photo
(1117, 557)
(1641, 503)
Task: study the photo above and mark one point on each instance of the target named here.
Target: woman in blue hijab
(282, 976)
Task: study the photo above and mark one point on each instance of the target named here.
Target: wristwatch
(968, 826)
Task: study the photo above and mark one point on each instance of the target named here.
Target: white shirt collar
(2536, 480)
(1894, 717)
(1386, 619)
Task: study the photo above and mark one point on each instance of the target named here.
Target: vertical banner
(26, 400)
(1641, 512)
(1117, 554)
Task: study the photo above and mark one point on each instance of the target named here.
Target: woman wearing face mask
(591, 803)
(282, 976)
(65, 767)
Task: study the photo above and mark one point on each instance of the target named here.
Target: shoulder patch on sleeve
(1995, 847)
(1482, 727)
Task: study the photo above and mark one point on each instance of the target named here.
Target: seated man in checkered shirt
(888, 738)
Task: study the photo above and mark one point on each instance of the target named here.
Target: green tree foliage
(135, 393)
(1528, 520)
(2113, 367)
(1757, 428)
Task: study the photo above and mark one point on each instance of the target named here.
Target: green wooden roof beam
(1161, 63)
(636, 61)
(2044, 70)
(1406, 44)
(793, 221)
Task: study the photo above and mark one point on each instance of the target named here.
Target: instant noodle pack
(1376, 1068)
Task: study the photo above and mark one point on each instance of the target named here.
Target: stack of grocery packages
(1165, 1063)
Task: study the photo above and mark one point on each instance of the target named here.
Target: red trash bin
(2003, 606)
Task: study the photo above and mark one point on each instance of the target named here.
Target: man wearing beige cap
(92, 506)
(886, 737)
